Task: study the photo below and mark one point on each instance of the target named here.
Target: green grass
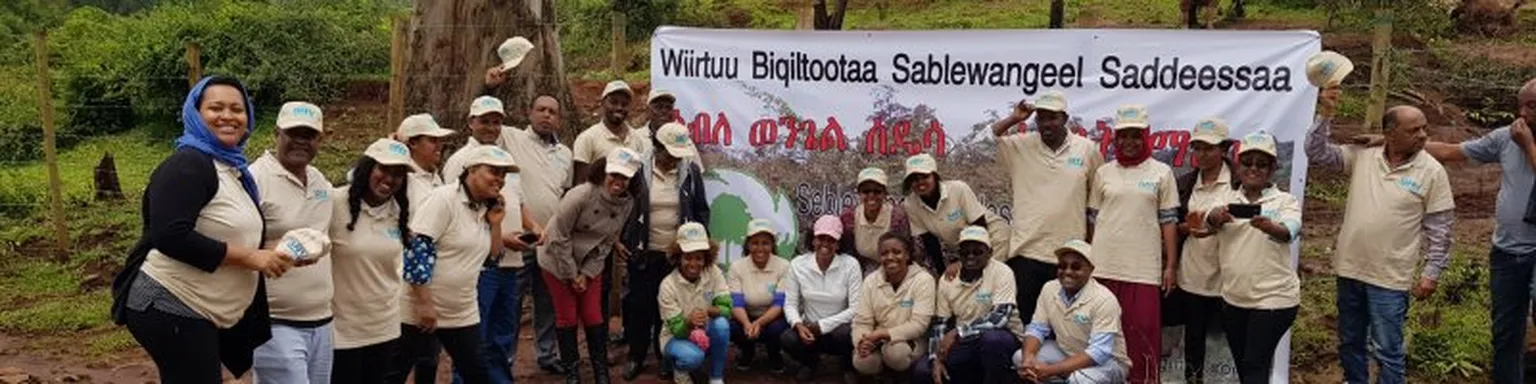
(59, 315)
(112, 341)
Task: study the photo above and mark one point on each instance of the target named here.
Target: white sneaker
(682, 377)
(716, 381)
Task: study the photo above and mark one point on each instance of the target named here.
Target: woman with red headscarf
(1133, 210)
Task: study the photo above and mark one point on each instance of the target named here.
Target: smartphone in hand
(528, 238)
(1243, 211)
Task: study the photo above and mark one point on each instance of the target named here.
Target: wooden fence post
(397, 48)
(1381, 65)
(619, 61)
(50, 149)
(194, 64)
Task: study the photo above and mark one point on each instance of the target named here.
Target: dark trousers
(769, 338)
(543, 311)
(462, 344)
(1509, 284)
(185, 350)
(1253, 335)
(987, 358)
(837, 342)
(1200, 314)
(642, 314)
(501, 314)
(1030, 277)
(364, 365)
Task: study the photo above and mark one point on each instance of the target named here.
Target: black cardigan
(178, 190)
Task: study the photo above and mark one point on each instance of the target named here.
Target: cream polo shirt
(904, 312)
(1199, 271)
(757, 285)
(419, 184)
(546, 171)
(366, 268)
(966, 302)
(220, 297)
(958, 207)
(1380, 240)
(1128, 240)
(1095, 310)
(1050, 191)
(665, 207)
(302, 294)
(597, 142)
(1256, 271)
(512, 222)
(463, 240)
(866, 239)
(678, 296)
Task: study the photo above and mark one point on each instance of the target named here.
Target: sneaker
(744, 362)
(716, 381)
(776, 364)
(682, 378)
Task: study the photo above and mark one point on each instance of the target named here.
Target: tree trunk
(453, 43)
(1058, 13)
(830, 21)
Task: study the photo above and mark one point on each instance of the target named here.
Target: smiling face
(615, 184)
(223, 111)
(1073, 270)
(385, 180)
(616, 108)
(297, 146)
(872, 194)
(485, 181)
(824, 246)
(760, 247)
(1207, 156)
(1053, 126)
(1255, 168)
(894, 259)
(974, 256)
(426, 150)
(660, 112)
(1131, 141)
(692, 264)
(485, 128)
(924, 185)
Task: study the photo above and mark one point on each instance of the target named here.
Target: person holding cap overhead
(1134, 207)
(1075, 333)
(1198, 300)
(612, 132)
(670, 192)
(424, 138)
(694, 299)
(1258, 277)
(895, 306)
(1045, 214)
(296, 195)
(485, 116)
(546, 174)
(874, 216)
(757, 297)
(580, 238)
(939, 209)
(191, 291)
(456, 228)
(821, 294)
(368, 227)
(974, 329)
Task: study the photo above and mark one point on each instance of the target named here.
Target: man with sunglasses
(1045, 214)
(1075, 333)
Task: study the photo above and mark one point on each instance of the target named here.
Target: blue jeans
(1366, 309)
(1510, 284)
(295, 355)
(500, 318)
(686, 356)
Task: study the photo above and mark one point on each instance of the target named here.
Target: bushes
(586, 29)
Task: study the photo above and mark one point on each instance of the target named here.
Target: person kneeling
(694, 302)
(980, 305)
(896, 305)
(1084, 319)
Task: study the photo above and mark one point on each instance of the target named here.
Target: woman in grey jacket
(669, 192)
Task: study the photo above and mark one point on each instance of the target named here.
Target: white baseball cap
(486, 104)
(872, 174)
(1052, 101)
(1131, 116)
(623, 161)
(1328, 68)
(490, 155)
(658, 94)
(1077, 246)
(675, 138)
(976, 234)
(299, 114)
(760, 225)
(513, 51)
(389, 152)
(617, 86)
(921, 164)
(1259, 141)
(420, 124)
(305, 244)
(692, 237)
(1211, 130)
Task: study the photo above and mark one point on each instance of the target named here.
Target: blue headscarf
(195, 134)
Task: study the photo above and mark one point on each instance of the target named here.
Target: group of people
(265, 265)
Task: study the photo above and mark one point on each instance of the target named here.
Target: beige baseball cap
(872, 174)
(490, 155)
(977, 234)
(1211, 130)
(1259, 141)
(675, 138)
(1077, 246)
(1328, 68)
(623, 161)
(617, 86)
(921, 164)
(305, 244)
(420, 125)
(389, 152)
(1052, 101)
(1132, 116)
(657, 93)
(760, 225)
(513, 51)
(299, 114)
(486, 104)
(692, 237)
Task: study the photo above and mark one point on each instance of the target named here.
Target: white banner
(787, 118)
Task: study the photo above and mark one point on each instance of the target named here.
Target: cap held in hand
(304, 244)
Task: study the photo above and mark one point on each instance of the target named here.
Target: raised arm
(1021, 112)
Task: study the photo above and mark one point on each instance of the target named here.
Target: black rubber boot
(597, 352)
(569, 357)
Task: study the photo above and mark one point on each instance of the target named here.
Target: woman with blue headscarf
(191, 292)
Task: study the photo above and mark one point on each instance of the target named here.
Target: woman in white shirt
(366, 243)
(820, 296)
